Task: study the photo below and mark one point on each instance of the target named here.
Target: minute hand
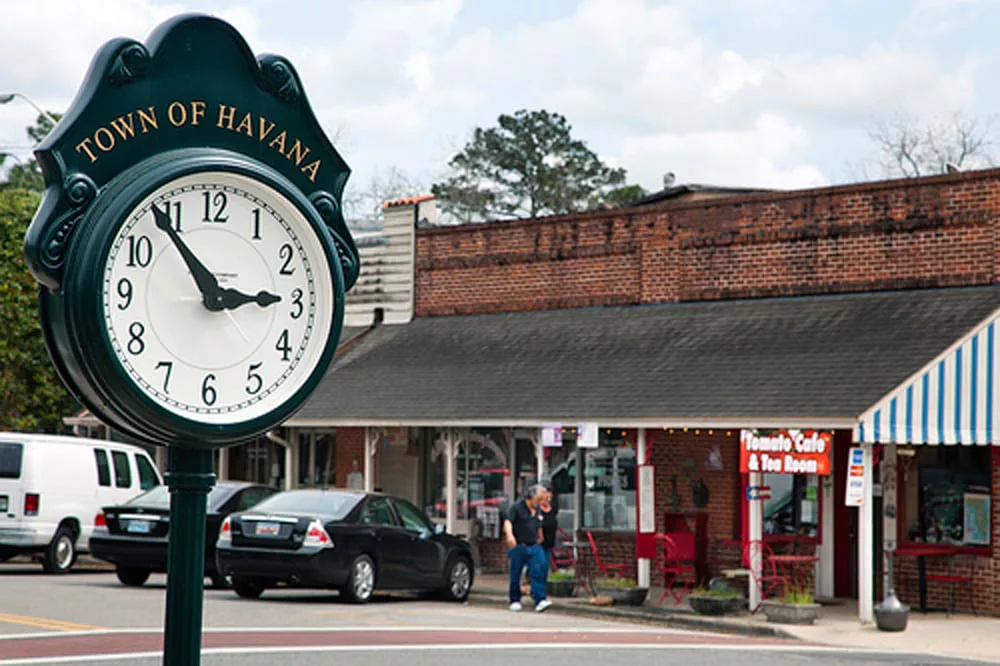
(208, 285)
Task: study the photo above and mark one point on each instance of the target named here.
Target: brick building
(674, 327)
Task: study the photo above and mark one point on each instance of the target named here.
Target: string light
(697, 432)
(685, 428)
(710, 432)
(729, 433)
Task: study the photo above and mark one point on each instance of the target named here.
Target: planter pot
(891, 615)
(560, 588)
(784, 613)
(635, 596)
(706, 605)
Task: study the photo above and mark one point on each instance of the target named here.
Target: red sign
(786, 451)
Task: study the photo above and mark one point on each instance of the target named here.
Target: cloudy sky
(730, 92)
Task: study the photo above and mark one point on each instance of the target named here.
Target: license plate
(268, 529)
(3, 502)
(138, 527)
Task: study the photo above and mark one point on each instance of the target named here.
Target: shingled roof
(816, 360)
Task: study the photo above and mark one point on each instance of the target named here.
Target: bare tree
(363, 205)
(911, 148)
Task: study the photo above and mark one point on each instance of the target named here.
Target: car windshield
(331, 503)
(159, 497)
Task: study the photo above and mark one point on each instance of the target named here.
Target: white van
(52, 488)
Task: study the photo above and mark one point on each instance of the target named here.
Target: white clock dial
(218, 297)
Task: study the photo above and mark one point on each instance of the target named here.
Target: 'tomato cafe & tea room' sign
(785, 451)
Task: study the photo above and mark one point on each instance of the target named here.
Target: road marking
(46, 623)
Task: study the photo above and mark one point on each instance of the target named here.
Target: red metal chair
(959, 572)
(769, 579)
(607, 570)
(677, 565)
(562, 555)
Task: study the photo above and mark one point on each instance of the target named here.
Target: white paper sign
(855, 495)
(647, 508)
(552, 435)
(586, 436)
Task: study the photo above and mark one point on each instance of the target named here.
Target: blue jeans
(534, 558)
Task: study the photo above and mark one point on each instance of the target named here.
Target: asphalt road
(89, 613)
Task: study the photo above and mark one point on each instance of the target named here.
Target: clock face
(218, 297)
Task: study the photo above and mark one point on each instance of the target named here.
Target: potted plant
(715, 601)
(561, 583)
(622, 591)
(796, 606)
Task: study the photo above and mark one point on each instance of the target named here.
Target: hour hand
(232, 299)
(208, 285)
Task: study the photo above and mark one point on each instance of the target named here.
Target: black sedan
(133, 536)
(351, 541)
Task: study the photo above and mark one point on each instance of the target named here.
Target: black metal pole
(189, 478)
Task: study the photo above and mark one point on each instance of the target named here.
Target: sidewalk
(962, 636)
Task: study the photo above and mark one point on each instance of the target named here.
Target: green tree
(27, 175)
(528, 165)
(32, 399)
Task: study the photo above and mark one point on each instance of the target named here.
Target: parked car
(133, 535)
(51, 487)
(352, 541)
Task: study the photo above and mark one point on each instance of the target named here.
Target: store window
(945, 494)
(609, 483)
(484, 485)
(793, 508)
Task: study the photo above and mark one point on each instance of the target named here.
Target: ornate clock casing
(190, 245)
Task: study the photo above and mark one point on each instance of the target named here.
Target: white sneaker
(516, 606)
(542, 605)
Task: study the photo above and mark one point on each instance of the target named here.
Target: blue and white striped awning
(954, 399)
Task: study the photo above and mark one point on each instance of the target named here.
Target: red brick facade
(931, 232)
(350, 447)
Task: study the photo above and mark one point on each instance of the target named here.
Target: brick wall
(929, 232)
(350, 447)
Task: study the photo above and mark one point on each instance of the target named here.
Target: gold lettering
(311, 170)
(125, 126)
(148, 119)
(279, 142)
(246, 125)
(297, 150)
(262, 132)
(100, 144)
(197, 111)
(226, 115)
(86, 148)
(181, 111)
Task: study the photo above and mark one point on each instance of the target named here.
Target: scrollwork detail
(79, 190)
(132, 62)
(329, 209)
(279, 78)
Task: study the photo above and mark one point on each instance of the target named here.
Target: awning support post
(539, 456)
(756, 520)
(866, 572)
(450, 442)
(371, 445)
(643, 564)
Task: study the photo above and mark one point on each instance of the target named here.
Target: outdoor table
(921, 553)
(794, 567)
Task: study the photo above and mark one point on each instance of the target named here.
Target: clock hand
(233, 298)
(208, 285)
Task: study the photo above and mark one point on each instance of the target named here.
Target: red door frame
(843, 551)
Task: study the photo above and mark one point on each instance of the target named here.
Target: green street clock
(190, 246)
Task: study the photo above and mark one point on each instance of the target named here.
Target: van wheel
(61, 552)
(360, 581)
(247, 589)
(131, 576)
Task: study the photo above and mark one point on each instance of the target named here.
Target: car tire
(132, 576)
(247, 589)
(360, 580)
(458, 579)
(220, 581)
(60, 554)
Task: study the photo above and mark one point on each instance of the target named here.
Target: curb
(673, 620)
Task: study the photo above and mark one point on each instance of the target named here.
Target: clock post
(192, 258)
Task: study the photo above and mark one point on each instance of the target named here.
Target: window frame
(104, 476)
(141, 459)
(396, 503)
(116, 456)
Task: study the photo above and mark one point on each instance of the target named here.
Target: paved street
(90, 613)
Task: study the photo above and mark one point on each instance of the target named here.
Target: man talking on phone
(522, 528)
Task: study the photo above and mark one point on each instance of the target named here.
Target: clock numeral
(297, 302)
(286, 253)
(283, 346)
(215, 207)
(256, 224)
(125, 291)
(208, 394)
(135, 344)
(140, 251)
(254, 381)
(177, 214)
(169, 365)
